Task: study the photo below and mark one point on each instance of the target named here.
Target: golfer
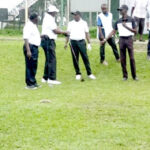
(79, 30)
(126, 27)
(49, 35)
(31, 36)
(105, 27)
(139, 10)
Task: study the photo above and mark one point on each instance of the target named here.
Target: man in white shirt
(105, 27)
(31, 36)
(139, 10)
(79, 30)
(49, 35)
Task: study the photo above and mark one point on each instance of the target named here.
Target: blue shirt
(99, 22)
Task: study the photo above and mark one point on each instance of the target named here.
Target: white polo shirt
(78, 29)
(141, 7)
(31, 33)
(48, 26)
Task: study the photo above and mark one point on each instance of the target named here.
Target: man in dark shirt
(126, 27)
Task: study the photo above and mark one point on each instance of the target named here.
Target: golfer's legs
(112, 43)
(75, 56)
(141, 26)
(45, 44)
(52, 60)
(123, 57)
(83, 51)
(102, 53)
(131, 55)
(148, 47)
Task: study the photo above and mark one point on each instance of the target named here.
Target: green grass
(106, 114)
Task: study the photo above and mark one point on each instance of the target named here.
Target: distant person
(148, 28)
(49, 35)
(105, 27)
(79, 31)
(31, 36)
(139, 10)
(126, 27)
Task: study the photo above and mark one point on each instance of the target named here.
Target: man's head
(52, 10)
(123, 10)
(104, 8)
(34, 18)
(76, 15)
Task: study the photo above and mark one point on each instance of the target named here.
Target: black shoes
(32, 87)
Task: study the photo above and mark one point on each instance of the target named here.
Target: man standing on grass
(148, 28)
(139, 10)
(105, 27)
(31, 36)
(79, 30)
(127, 28)
(49, 35)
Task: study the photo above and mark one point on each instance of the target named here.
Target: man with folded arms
(127, 28)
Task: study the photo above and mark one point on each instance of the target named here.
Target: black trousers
(79, 47)
(126, 43)
(148, 47)
(112, 43)
(49, 47)
(31, 65)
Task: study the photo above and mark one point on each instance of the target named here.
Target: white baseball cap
(52, 8)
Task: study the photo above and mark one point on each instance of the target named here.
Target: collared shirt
(31, 33)
(78, 29)
(48, 26)
(124, 32)
(141, 7)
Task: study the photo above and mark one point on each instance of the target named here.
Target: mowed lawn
(105, 114)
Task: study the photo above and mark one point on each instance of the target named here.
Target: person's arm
(88, 37)
(29, 54)
(132, 10)
(66, 42)
(58, 31)
(101, 33)
(130, 29)
(109, 36)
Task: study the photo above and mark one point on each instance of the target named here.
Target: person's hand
(89, 47)
(29, 54)
(124, 24)
(103, 42)
(66, 46)
(66, 34)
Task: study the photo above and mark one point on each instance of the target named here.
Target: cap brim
(73, 13)
(119, 9)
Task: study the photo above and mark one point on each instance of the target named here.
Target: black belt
(125, 37)
(77, 40)
(45, 37)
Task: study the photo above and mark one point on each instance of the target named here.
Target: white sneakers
(78, 77)
(54, 82)
(92, 77)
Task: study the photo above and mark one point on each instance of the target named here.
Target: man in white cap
(49, 35)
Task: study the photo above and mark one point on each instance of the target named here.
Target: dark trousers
(148, 47)
(126, 43)
(112, 43)
(31, 65)
(49, 47)
(79, 47)
(140, 24)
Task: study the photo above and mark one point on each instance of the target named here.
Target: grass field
(106, 114)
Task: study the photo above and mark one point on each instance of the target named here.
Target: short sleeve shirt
(123, 32)
(77, 29)
(49, 24)
(31, 33)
